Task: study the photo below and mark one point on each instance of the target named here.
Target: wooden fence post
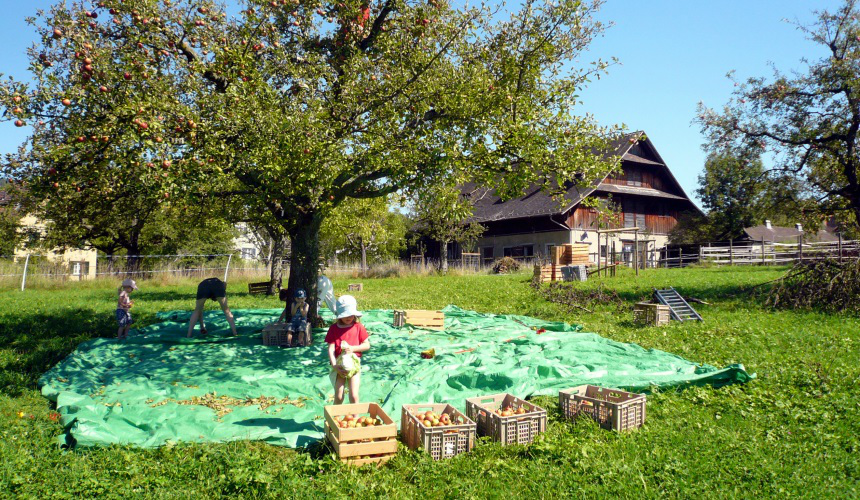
(840, 247)
(731, 253)
(800, 247)
(762, 250)
(636, 251)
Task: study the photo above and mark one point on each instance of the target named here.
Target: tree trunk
(276, 262)
(305, 259)
(443, 256)
(363, 253)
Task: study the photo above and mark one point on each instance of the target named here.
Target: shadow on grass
(36, 342)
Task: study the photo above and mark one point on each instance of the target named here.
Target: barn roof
(488, 206)
(779, 234)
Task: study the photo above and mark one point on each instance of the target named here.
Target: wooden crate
(440, 442)
(547, 273)
(275, 334)
(364, 445)
(514, 429)
(354, 287)
(430, 320)
(651, 314)
(610, 408)
(567, 254)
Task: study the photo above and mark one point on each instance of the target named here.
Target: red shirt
(354, 335)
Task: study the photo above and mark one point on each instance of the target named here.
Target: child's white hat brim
(347, 306)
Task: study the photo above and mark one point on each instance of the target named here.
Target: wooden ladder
(679, 309)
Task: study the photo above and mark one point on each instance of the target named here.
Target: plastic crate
(364, 445)
(515, 429)
(275, 334)
(574, 273)
(610, 408)
(440, 442)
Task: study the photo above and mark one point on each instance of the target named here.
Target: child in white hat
(344, 338)
(123, 306)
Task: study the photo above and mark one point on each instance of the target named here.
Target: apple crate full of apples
(610, 408)
(440, 429)
(360, 433)
(506, 418)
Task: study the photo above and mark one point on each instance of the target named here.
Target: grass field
(795, 430)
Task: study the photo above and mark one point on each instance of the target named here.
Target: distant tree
(364, 228)
(809, 119)
(442, 214)
(10, 227)
(195, 230)
(733, 190)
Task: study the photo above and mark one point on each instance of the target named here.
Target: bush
(506, 265)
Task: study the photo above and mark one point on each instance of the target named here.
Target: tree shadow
(40, 340)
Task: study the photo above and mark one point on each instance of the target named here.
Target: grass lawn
(793, 431)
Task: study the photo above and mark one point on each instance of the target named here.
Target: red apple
(57, 33)
(81, 139)
(103, 89)
(126, 75)
(166, 195)
(56, 185)
(16, 99)
(19, 123)
(306, 151)
(52, 171)
(17, 110)
(67, 102)
(158, 139)
(202, 10)
(165, 164)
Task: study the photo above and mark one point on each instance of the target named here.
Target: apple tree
(295, 106)
(809, 120)
(365, 227)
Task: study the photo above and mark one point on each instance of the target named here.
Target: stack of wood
(570, 255)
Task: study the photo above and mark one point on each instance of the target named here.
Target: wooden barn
(647, 193)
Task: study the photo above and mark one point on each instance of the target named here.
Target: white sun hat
(347, 306)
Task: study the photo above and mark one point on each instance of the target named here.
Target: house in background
(769, 233)
(647, 193)
(80, 263)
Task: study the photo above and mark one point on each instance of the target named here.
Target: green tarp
(140, 392)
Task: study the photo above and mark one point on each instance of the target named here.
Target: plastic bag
(325, 291)
(351, 363)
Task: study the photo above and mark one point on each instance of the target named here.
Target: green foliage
(734, 193)
(441, 213)
(791, 432)
(365, 226)
(10, 236)
(807, 118)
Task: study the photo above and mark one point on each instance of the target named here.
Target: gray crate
(574, 273)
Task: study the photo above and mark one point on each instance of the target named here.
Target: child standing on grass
(123, 306)
(346, 336)
(298, 315)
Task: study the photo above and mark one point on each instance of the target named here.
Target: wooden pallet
(430, 320)
(547, 273)
(354, 287)
(365, 445)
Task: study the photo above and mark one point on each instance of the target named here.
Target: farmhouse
(648, 195)
(81, 262)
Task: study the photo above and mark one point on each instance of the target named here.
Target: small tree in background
(442, 214)
(364, 228)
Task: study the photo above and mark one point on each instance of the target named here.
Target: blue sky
(673, 54)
